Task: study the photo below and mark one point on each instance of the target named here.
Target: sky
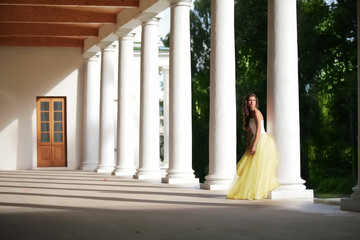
(164, 23)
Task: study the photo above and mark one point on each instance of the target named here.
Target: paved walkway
(83, 205)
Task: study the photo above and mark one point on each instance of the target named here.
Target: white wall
(26, 73)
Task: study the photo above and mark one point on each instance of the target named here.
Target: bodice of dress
(252, 125)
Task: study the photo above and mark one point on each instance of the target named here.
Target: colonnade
(178, 149)
(282, 103)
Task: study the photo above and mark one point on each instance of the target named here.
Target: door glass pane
(44, 106)
(57, 137)
(57, 106)
(57, 116)
(57, 127)
(44, 116)
(44, 127)
(45, 137)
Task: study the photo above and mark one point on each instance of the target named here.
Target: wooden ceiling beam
(34, 14)
(40, 42)
(56, 23)
(38, 29)
(104, 3)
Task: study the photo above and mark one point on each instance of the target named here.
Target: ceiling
(56, 23)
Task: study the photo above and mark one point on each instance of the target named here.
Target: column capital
(180, 3)
(124, 32)
(149, 18)
(91, 56)
(109, 46)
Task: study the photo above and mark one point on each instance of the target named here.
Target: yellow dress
(255, 174)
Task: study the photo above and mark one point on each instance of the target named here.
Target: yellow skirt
(255, 174)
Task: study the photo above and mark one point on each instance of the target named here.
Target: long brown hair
(246, 110)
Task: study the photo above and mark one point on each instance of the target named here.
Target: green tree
(251, 58)
(200, 68)
(328, 90)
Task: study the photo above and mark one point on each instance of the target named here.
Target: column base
(104, 169)
(176, 176)
(88, 166)
(164, 165)
(280, 193)
(350, 205)
(124, 172)
(163, 171)
(147, 177)
(180, 180)
(353, 203)
(216, 182)
(147, 174)
(214, 186)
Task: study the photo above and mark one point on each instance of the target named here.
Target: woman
(255, 177)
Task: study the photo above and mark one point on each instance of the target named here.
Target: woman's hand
(253, 149)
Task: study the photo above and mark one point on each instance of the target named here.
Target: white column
(165, 74)
(149, 145)
(180, 131)
(353, 204)
(91, 113)
(222, 136)
(106, 144)
(283, 98)
(125, 149)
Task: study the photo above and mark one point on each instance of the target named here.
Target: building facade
(86, 79)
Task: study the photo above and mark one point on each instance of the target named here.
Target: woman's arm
(258, 118)
(249, 137)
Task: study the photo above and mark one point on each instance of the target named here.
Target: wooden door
(51, 137)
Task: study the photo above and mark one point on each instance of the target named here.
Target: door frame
(37, 130)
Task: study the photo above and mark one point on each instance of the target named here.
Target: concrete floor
(83, 205)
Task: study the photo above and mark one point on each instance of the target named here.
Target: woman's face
(251, 102)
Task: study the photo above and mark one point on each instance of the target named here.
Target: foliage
(328, 94)
(251, 57)
(166, 40)
(200, 64)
